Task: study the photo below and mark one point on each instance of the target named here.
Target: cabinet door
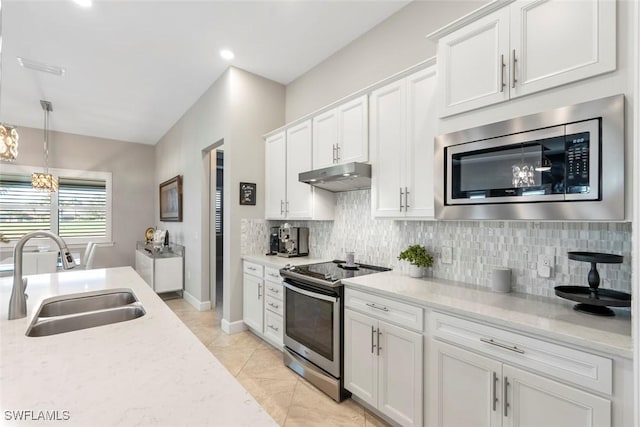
(325, 139)
(252, 302)
(470, 64)
(387, 131)
(275, 176)
(579, 41)
(144, 267)
(536, 401)
(353, 131)
(168, 274)
(466, 388)
(421, 131)
(360, 359)
(400, 374)
(299, 195)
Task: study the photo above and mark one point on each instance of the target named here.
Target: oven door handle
(310, 294)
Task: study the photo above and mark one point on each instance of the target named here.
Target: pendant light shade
(8, 143)
(44, 181)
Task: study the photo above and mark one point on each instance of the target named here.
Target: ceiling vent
(40, 66)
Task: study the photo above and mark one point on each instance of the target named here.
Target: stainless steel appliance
(337, 178)
(274, 241)
(294, 241)
(566, 163)
(313, 322)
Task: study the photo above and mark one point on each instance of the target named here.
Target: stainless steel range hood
(346, 177)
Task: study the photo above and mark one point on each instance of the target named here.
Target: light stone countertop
(545, 317)
(151, 371)
(279, 262)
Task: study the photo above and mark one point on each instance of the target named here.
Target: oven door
(312, 325)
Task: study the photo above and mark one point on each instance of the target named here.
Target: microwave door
(483, 172)
(583, 160)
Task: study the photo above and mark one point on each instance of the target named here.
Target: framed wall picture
(171, 199)
(247, 193)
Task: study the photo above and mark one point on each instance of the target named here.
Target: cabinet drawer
(578, 367)
(274, 305)
(253, 269)
(396, 312)
(273, 327)
(272, 274)
(273, 290)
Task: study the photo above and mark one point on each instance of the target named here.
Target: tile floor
(288, 398)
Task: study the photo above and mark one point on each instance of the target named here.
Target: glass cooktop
(330, 273)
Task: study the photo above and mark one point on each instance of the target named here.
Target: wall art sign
(247, 193)
(171, 199)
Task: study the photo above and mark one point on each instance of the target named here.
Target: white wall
(393, 45)
(132, 167)
(237, 109)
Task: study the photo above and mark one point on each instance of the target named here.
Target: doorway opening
(217, 166)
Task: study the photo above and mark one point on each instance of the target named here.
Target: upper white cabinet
(287, 154)
(340, 135)
(402, 131)
(526, 47)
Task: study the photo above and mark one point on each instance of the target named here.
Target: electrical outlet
(545, 265)
(447, 255)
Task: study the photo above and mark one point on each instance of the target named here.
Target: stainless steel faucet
(18, 301)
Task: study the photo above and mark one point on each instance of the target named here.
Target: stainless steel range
(313, 321)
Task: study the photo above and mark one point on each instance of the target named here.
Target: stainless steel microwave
(564, 164)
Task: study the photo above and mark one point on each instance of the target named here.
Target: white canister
(351, 259)
(501, 280)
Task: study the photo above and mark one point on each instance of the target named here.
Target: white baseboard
(199, 305)
(232, 327)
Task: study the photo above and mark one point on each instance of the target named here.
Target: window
(79, 212)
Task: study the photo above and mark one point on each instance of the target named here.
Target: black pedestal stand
(592, 299)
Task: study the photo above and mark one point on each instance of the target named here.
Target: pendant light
(45, 181)
(8, 143)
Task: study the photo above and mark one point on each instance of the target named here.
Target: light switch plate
(447, 255)
(545, 265)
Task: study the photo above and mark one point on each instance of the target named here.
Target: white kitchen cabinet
(473, 390)
(402, 130)
(525, 47)
(383, 363)
(288, 153)
(253, 296)
(340, 135)
(274, 307)
(474, 381)
(163, 268)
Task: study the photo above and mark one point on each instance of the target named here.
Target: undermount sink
(85, 310)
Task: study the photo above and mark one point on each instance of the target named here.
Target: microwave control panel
(577, 163)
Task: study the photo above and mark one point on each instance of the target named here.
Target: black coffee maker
(274, 241)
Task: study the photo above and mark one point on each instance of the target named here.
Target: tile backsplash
(478, 246)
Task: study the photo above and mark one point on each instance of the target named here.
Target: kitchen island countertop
(144, 372)
(550, 318)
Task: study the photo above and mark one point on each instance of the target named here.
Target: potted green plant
(419, 259)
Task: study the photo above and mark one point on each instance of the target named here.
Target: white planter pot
(415, 271)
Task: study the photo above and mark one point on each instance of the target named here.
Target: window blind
(82, 208)
(22, 209)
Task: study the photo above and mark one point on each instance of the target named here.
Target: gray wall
(237, 110)
(133, 171)
(392, 46)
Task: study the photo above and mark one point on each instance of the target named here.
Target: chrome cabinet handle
(252, 268)
(505, 398)
(286, 210)
(372, 305)
(273, 327)
(513, 70)
(401, 194)
(501, 345)
(406, 198)
(273, 305)
(494, 391)
(281, 207)
(373, 346)
(379, 348)
(274, 290)
(259, 289)
(502, 67)
(337, 153)
(277, 276)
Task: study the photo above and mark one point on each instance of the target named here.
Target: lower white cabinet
(262, 299)
(383, 366)
(162, 270)
(252, 301)
(473, 390)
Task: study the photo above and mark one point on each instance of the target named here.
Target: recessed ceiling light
(40, 66)
(83, 3)
(227, 55)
